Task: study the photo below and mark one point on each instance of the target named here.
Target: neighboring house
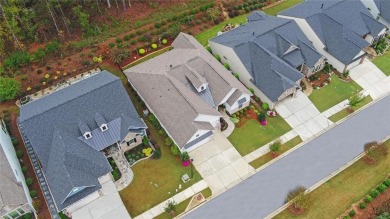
(15, 198)
(69, 129)
(340, 29)
(184, 87)
(380, 9)
(269, 54)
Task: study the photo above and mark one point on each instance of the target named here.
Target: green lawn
(149, 56)
(383, 62)
(142, 194)
(181, 207)
(332, 94)
(252, 135)
(338, 116)
(204, 37)
(267, 157)
(332, 198)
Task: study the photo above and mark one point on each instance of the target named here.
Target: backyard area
(204, 37)
(335, 196)
(155, 180)
(343, 113)
(252, 135)
(332, 94)
(268, 156)
(383, 62)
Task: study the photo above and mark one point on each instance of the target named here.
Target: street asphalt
(265, 191)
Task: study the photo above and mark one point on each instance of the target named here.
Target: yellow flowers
(47, 76)
(28, 88)
(147, 151)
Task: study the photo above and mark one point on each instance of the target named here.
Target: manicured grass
(181, 207)
(150, 56)
(332, 94)
(142, 194)
(338, 116)
(267, 157)
(332, 198)
(252, 135)
(383, 62)
(204, 37)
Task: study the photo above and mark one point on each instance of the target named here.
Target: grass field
(383, 62)
(343, 113)
(332, 198)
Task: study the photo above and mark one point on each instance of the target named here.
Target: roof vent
(253, 33)
(170, 66)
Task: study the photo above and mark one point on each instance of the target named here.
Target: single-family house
(184, 88)
(15, 200)
(68, 131)
(270, 54)
(340, 30)
(380, 9)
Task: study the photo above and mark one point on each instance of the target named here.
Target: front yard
(332, 198)
(383, 62)
(252, 135)
(340, 115)
(332, 94)
(154, 180)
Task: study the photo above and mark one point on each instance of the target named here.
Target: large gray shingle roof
(278, 42)
(340, 24)
(167, 84)
(54, 125)
(384, 9)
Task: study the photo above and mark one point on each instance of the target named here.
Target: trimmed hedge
(24, 170)
(33, 193)
(374, 193)
(381, 188)
(19, 153)
(29, 181)
(226, 66)
(362, 205)
(368, 199)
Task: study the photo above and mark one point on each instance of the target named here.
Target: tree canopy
(9, 88)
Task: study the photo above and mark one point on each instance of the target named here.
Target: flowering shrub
(47, 76)
(164, 41)
(141, 51)
(147, 151)
(28, 88)
(154, 46)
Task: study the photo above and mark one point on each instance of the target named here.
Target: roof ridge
(107, 84)
(274, 28)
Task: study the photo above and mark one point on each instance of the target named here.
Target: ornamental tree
(9, 88)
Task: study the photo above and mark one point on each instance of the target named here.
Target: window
(87, 135)
(103, 127)
(240, 105)
(131, 141)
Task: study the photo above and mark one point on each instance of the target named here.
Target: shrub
(265, 106)
(375, 151)
(85, 62)
(17, 60)
(362, 205)
(168, 141)
(298, 197)
(115, 175)
(382, 188)
(246, 9)
(23, 77)
(387, 182)
(275, 146)
(29, 181)
(19, 153)
(33, 193)
(126, 38)
(352, 213)
(261, 116)
(346, 217)
(170, 207)
(24, 170)
(236, 75)
(208, 48)
(226, 66)
(164, 41)
(39, 71)
(184, 156)
(251, 90)
(15, 141)
(9, 88)
(156, 154)
(368, 199)
(157, 25)
(217, 57)
(141, 51)
(374, 193)
(111, 45)
(133, 42)
(37, 86)
(28, 215)
(175, 150)
(154, 46)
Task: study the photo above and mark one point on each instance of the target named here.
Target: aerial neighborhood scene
(198, 109)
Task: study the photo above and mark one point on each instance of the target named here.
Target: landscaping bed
(116, 174)
(141, 151)
(332, 94)
(337, 194)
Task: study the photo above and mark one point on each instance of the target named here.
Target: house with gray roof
(340, 30)
(270, 55)
(15, 199)
(380, 9)
(69, 129)
(184, 87)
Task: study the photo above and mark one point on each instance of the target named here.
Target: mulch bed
(319, 82)
(295, 211)
(370, 211)
(43, 211)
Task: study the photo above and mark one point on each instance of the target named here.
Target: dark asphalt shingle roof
(277, 41)
(384, 9)
(54, 124)
(341, 25)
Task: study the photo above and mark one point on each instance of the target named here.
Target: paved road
(265, 191)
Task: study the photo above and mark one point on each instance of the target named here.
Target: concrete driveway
(371, 79)
(301, 114)
(220, 164)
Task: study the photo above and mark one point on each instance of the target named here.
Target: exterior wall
(9, 151)
(227, 96)
(287, 93)
(354, 64)
(369, 38)
(200, 133)
(237, 67)
(234, 108)
(214, 120)
(77, 205)
(124, 147)
(370, 4)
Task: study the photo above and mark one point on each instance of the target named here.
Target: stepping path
(127, 174)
